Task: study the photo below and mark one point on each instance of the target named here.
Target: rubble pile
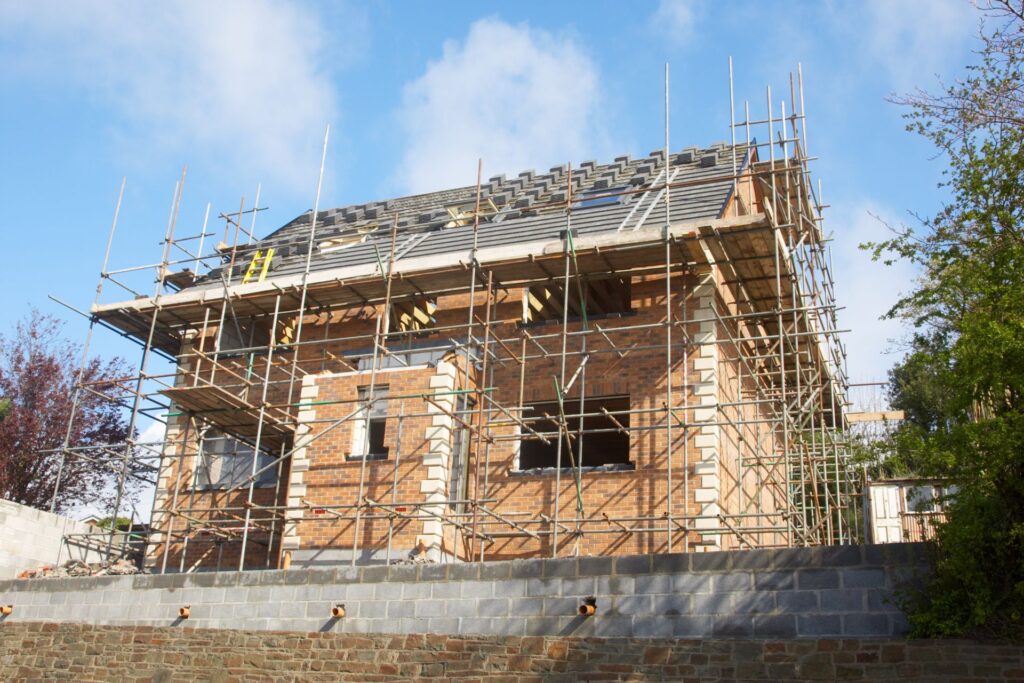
(79, 568)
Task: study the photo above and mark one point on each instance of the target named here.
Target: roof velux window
(346, 239)
(462, 214)
(592, 198)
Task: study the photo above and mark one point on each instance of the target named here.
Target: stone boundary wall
(788, 593)
(30, 538)
(110, 653)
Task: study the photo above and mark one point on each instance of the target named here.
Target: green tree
(961, 384)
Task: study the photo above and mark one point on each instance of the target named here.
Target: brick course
(37, 651)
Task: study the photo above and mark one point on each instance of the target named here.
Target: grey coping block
(671, 563)
(402, 572)
(347, 574)
(752, 559)
(322, 576)
(710, 562)
(793, 557)
(819, 625)
(251, 578)
(432, 572)
(841, 555)
(733, 626)
(670, 605)
(774, 580)
(691, 583)
(654, 583)
(495, 570)
(866, 624)
(373, 574)
(874, 554)
(633, 564)
(463, 571)
(202, 579)
(559, 567)
(594, 566)
(796, 601)
(842, 600)
(809, 579)
(170, 581)
(429, 608)
(854, 577)
(524, 569)
(758, 602)
(226, 579)
(734, 581)
(775, 625)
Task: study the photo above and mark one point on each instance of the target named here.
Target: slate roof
(525, 208)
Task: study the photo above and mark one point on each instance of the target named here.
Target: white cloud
(517, 97)
(243, 83)
(911, 40)
(676, 21)
(867, 289)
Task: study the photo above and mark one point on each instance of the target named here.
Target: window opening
(224, 462)
(458, 479)
(370, 431)
(603, 297)
(604, 439)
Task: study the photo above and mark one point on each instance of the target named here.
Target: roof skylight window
(591, 198)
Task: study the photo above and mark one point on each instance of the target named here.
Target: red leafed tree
(38, 370)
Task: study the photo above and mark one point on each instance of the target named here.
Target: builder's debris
(79, 568)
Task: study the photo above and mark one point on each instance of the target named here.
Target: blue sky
(414, 93)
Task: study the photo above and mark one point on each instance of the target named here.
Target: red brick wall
(332, 480)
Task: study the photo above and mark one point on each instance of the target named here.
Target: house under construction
(638, 356)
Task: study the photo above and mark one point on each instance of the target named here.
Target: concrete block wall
(30, 538)
(841, 591)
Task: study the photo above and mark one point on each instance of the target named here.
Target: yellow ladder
(261, 262)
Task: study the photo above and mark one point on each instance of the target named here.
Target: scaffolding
(248, 344)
